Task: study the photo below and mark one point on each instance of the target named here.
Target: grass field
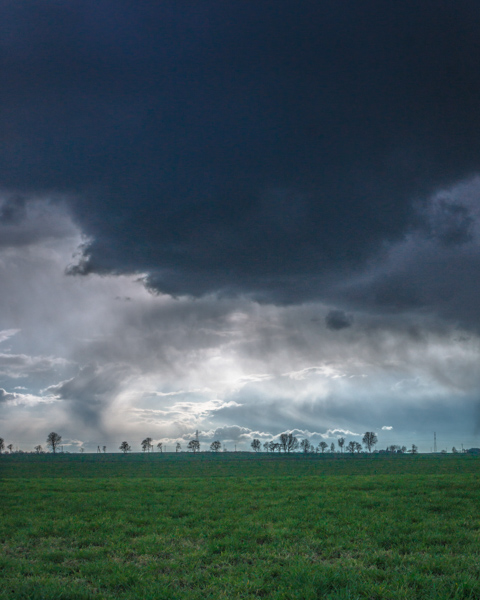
(239, 526)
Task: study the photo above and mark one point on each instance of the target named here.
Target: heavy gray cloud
(337, 319)
(239, 148)
(432, 271)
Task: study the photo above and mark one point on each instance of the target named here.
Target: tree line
(286, 443)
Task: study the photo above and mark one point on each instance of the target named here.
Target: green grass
(239, 526)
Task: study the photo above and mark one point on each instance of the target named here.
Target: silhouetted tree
(194, 446)
(215, 446)
(104, 449)
(147, 444)
(274, 446)
(178, 447)
(358, 447)
(160, 446)
(414, 449)
(53, 441)
(125, 447)
(288, 442)
(38, 449)
(10, 447)
(305, 446)
(369, 440)
(332, 447)
(322, 445)
(454, 450)
(341, 443)
(351, 447)
(255, 445)
(292, 443)
(2, 445)
(266, 446)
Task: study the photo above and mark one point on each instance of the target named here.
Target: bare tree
(53, 441)
(454, 450)
(288, 442)
(341, 443)
(255, 445)
(2, 445)
(10, 447)
(125, 447)
(178, 447)
(104, 449)
(266, 446)
(332, 447)
(194, 446)
(351, 447)
(358, 447)
(160, 446)
(274, 446)
(305, 446)
(38, 449)
(215, 446)
(369, 440)
(414, 449)
(323, 445)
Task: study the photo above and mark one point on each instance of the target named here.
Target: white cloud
(7, 334)
(338, 433)
(16, 399)
(22, 365)
(326, 370)
(387, 428)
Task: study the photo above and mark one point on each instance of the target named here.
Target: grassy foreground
(233, 526)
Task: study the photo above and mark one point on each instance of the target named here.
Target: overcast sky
(241, 218)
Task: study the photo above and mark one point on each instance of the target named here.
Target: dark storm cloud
(432, 271)
(13, 210)
(243, 147)
(337, 319)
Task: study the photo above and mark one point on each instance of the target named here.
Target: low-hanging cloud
(432, 271)
(337, 320)
(262, 177)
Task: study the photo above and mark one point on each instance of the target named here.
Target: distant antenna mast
(435, 441)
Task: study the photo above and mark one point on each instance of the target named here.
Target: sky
(239, 218)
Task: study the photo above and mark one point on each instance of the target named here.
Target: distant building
(474, 451)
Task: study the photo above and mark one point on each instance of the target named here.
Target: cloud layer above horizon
(240, 219)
